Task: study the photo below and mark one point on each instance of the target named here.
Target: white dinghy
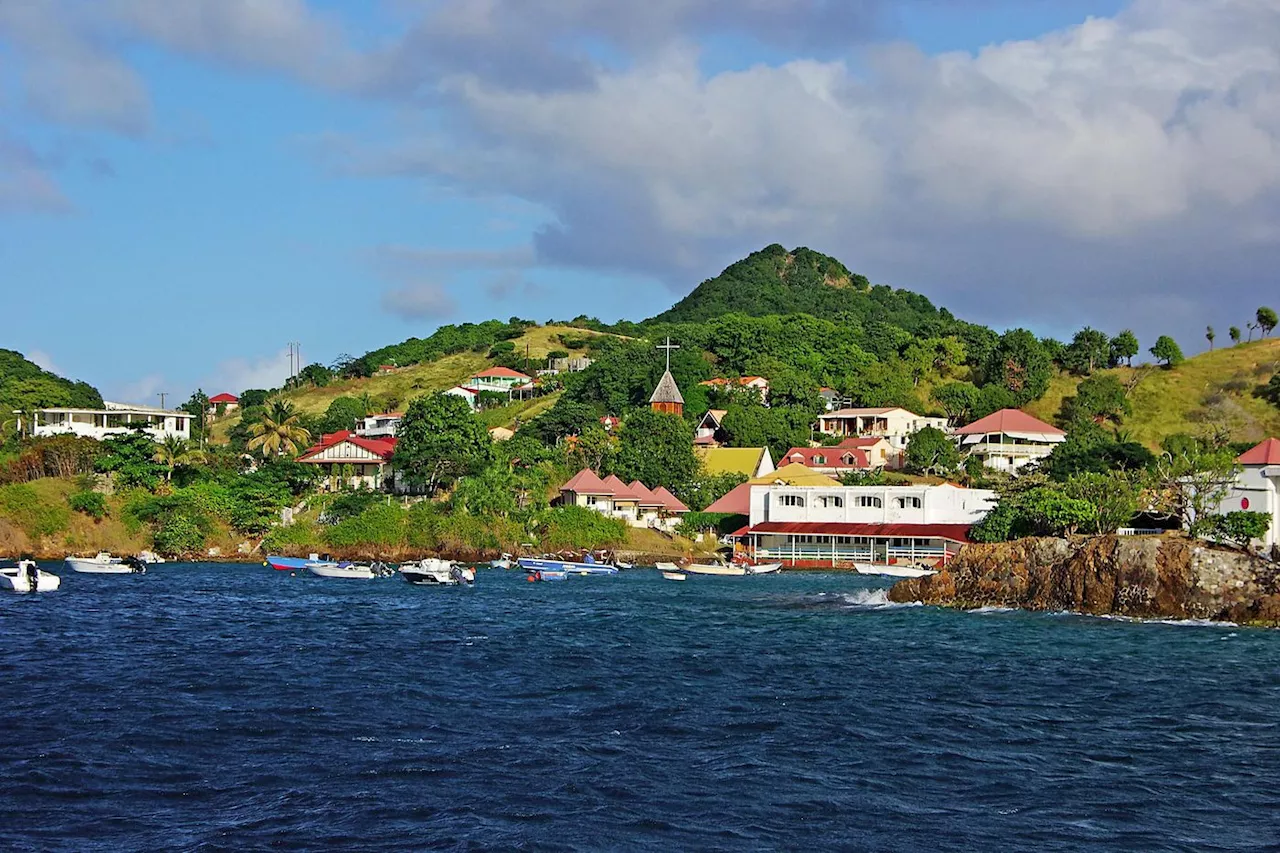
(895, 571)
(28, 577)
(350, 571)
(435, 572)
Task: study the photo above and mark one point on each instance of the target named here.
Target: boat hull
(287, 564)
(764, 569)
(722, 571)
(674, 576)
(17, 580)
(532, 564)
(437, 573)
(893, 571)
(333, 570)
(96, 567)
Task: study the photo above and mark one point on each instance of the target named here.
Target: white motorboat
(674, 576)
(105, 564)
(895, 571)
(352, 571)
(503, 562)
(150, 557)
(723, 569)
(622, 565)
(28, 577)
(764, 568)
(437, 572)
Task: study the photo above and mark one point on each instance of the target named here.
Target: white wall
(1259, 485)
(938, 504)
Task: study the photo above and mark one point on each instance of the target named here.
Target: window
(830, 501)
(847, 459)
(907, 503)
(819, 459)
(591, 500)
(792, 500)
(870, 501)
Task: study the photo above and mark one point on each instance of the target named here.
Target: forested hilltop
(25, 386)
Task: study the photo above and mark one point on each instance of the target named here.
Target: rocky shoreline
(1151, 577)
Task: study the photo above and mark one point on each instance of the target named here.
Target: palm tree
(175, 452)
(278, 432)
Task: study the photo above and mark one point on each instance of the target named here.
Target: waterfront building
(893, 424)
(825, 526)
(738, 500)
(348, 460)
(112, 419)
(1257, 487)
(634, 503)
(1009, 439)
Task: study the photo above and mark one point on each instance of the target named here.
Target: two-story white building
(893, 424)
(1009, 439)
(817, 526)
(113, 419)
(502, 380)
(1257, 487)
(380, 426)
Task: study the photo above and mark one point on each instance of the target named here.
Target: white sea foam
(877, 599)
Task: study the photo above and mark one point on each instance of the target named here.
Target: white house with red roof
(502, 380)
(892, 423)
(223, 403)
(819, 526)
(828, 460)
(1257, 487)
(349, 460)
(1009, 439)
(635, 503)
(466, 394)
(880, 453)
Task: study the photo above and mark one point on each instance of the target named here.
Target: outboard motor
(137, 566)
(33, 575)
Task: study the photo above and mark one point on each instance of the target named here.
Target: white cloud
(424, 301)
(44, 361)
(239, 374)
(144, 392)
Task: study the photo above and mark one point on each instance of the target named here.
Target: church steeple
(666, 398)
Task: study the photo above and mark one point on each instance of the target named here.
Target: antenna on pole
(668, 346)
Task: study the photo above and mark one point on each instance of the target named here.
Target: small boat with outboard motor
(435, 572)
(506, 561)
(896, 570)
(350, 571)
(105, 564)
(291, 564)
(28, 577)
(667, 574)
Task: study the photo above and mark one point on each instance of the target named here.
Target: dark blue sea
(231, 707)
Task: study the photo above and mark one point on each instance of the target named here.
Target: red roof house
(1009, 422)
(1265, 453)
(501, 373)
(224, 398)
(828, 460)
(349, 459)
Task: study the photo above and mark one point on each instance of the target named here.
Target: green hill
(1213, 389)
(26, 385)
(775, 281)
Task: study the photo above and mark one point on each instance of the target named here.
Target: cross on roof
(668, 346)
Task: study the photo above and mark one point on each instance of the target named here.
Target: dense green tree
(593, 448)
(440, 440)
(1098, 399)
(1234, 332)
(343, 414)
(749, 424)
(198, 408)
(656, 449)
(253, 398)
(1113, 498)
(1210, 335)
(958, 400)
(316, 374)
(930, 451)
(1124, 347)
(1166, 350)
(566, 417)
(175, 452)
(1271, 391)
(1090, 448)
(1266, 320)
(129, 458)
(1021, 366)
(1089, 350)
(1241, 528)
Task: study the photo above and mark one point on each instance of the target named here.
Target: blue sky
(185, 188)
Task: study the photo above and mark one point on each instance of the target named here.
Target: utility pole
(162, 395)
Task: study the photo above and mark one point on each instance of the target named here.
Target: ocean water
(223, 707)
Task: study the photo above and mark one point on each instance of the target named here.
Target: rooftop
(667, 390)
(1009, 421)
(1265, 453)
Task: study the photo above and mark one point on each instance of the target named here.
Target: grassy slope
(418, 379)
(1171, 401)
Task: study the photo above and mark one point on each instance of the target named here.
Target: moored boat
(434, 572)
(503, 562)
(674, 576)
(291, 564)
(763, 568)
(350, 571)
(551, 564)
(105, 564)
(894, 571)
(723, 569)
(28, 577)
(547, 575)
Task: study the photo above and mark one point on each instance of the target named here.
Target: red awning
(954, 532)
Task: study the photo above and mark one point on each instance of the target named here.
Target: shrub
(382, 525)
(1239, 528)
(694, 523)
(579, 527)
(180, 534)
(91, 504)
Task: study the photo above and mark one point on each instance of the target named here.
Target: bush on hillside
(578, 527)
(91, 504)
(379, 526)
(22, 506)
